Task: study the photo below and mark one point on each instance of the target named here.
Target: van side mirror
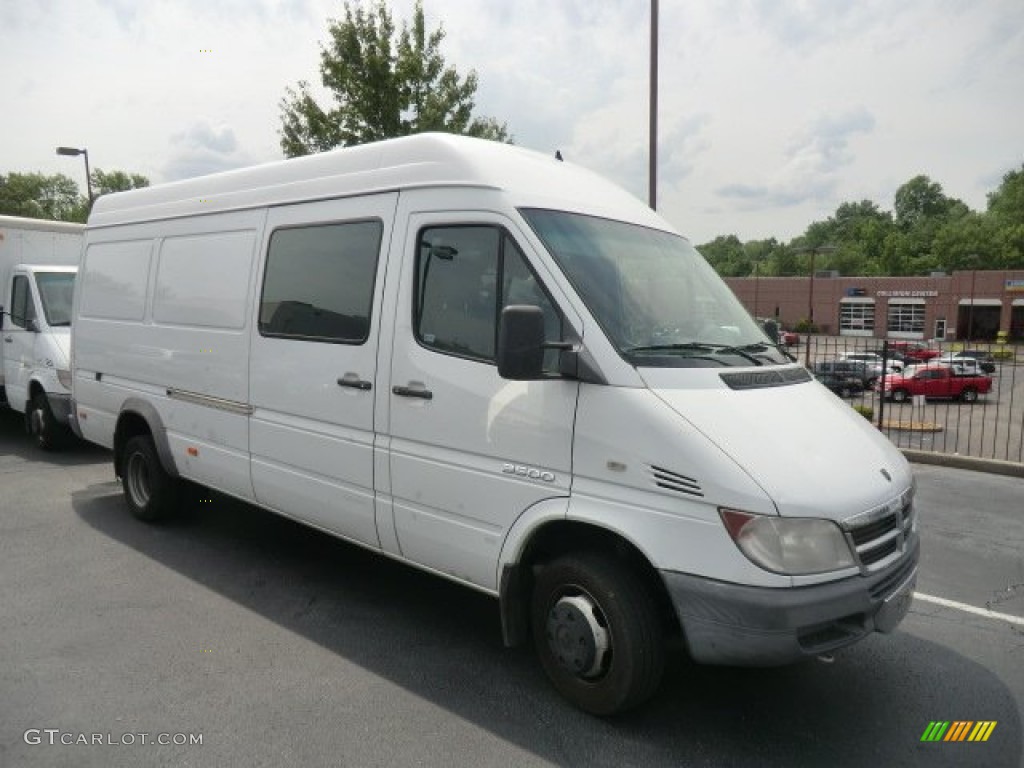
(1, 318)
(33, 325)
(521, 343)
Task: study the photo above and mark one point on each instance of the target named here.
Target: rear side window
(319, 280)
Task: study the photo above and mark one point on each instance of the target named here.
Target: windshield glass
(55, 290)
(655, 296)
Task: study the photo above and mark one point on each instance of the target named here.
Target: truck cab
(35, 328)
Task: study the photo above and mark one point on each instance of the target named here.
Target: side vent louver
(673, 481)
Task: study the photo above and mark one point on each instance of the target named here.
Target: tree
(36, 196)
(382, 85)
(921, 199)
(1006, 213)
(104, 182)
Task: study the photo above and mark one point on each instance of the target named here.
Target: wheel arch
(547, 540)
(139, 417)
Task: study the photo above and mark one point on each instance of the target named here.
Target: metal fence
(991, 427)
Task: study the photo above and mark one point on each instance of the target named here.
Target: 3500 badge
(531, 472)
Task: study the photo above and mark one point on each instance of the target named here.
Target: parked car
(935, 380)
(875, 359)
(844, 386)
(789, 338)
(963, 366)
(985, 360)
(915, 350)
(866, 374)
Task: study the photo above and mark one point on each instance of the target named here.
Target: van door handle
(8, 339)
(414, 391)
(352, 380)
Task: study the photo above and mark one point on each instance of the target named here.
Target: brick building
(971, 304)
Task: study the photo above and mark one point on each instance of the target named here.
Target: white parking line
(969, 608)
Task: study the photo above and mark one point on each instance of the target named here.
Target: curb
(992, 466)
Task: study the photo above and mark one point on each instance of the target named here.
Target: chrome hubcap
(578, 636)
(137, 477)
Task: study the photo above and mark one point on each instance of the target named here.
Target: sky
(771, 112)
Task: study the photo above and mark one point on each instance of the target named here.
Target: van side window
(465, 275)
(23, 310)
(319, 280)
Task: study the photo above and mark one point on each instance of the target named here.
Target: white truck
(38, 263)
(503, 370)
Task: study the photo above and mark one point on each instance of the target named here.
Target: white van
(506, 371)
(38, 262)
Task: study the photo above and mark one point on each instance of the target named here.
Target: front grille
(884, 587)
(880, 534)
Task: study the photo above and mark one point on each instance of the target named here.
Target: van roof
(422, 160)
(40, 225)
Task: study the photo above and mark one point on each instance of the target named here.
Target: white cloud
(772, 112)
(203, 149)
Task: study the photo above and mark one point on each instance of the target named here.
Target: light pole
(814, 250)
(652, 153)
(72, 152)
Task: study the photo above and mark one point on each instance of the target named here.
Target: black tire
(969, 395)
(899, 396)
(151, 494)
(629, 671)
(845, 391)
(42, 424)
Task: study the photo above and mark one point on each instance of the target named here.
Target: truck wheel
(42, 424)
(969, 395)
(597, 632)
(899, 396)
(151, 493)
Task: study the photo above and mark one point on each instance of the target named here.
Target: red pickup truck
(934, 381)
(914, 351)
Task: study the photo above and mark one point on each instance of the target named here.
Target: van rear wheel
(597, 633)
(151, 493)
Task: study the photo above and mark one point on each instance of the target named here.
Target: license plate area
(896, 605)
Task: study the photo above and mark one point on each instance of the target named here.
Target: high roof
(429, 159)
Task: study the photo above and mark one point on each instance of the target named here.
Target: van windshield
(55, 291)
(654, 295)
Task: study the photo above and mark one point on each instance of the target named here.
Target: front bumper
(755, 626)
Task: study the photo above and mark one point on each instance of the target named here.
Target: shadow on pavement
(14, 441)
(442, 642)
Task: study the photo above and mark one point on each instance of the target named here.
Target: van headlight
(791, 545)
(64, 377)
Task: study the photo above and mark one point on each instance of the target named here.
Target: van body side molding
(231, 406)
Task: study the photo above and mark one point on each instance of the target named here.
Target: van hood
(809, 450)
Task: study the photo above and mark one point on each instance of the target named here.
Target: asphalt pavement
(275, 645)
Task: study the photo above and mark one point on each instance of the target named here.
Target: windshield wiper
(701, 346)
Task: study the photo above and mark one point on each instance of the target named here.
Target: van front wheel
(151, 493)
(597, 632)
(43, 424)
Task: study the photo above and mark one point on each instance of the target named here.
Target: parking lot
(990, 428)
(277, 645)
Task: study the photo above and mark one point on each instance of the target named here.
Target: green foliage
(36, 196)
(926, 231)
(383, 85)
(57, 197)
(866, 411)
(104, 182)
